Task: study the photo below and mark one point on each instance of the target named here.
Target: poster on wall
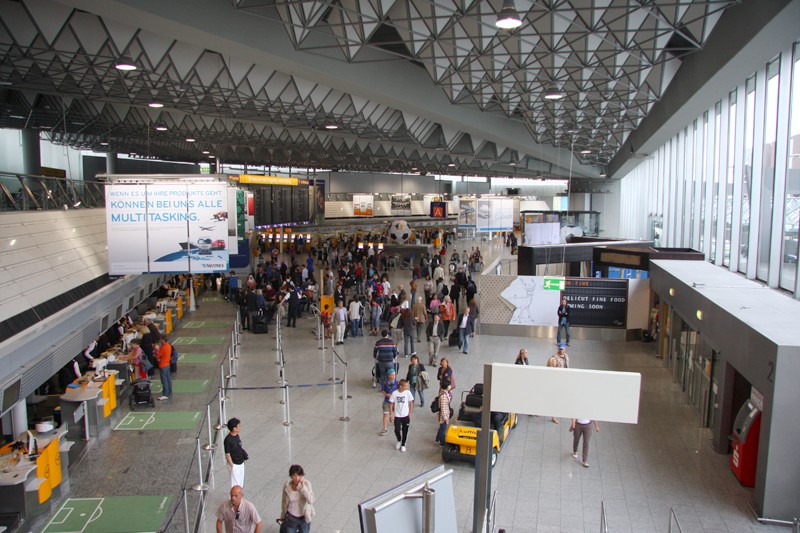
(466, 212)
(532, 304)
(363, 205)
(172, 227)
(401, 204)
(495, 214)
(126, 229)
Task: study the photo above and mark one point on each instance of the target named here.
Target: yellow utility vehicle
(461, 437)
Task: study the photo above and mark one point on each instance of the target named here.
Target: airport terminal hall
(399, 266)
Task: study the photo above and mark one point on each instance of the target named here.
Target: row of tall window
(728, 184)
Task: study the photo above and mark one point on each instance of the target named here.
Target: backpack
(145, 363)
(435, 407)
(173, 361)
(445, 290)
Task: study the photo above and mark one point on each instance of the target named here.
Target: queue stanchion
(209, 446)
(333, 365)
(230, 375)
(345, 397)
(277, 332)
(287, 417)
(220, 400)
(200, 487)
(186, 527)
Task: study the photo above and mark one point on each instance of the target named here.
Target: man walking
(435, 335)
(234, 453)
(238, 515)
(385, 354)
(563, 320)
(401, 404)
(340, 321)
(466, 326)
(388, 387)
(582, 427)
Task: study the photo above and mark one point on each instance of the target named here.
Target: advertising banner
(126, 229)
(401, 204)
(466, 212)
(495, 214)
(542, 233)
(532, 304)
(363, 205)
(171, 227)
(208, 228)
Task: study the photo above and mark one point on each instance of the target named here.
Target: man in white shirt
(355, 317)
(401, 404)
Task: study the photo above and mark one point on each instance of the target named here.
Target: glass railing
(26, 192)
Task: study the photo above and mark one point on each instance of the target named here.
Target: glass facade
(728, 183)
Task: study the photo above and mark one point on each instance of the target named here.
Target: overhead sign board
(269, 180)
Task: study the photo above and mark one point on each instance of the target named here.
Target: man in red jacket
(163, 357)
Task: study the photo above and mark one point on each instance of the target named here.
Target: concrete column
(31, 152)
(111, 163)
(19, 418)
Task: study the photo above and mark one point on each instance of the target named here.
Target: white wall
(608, 204)
(46, 253)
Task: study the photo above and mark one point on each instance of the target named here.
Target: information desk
(92, 403)
(26, 485)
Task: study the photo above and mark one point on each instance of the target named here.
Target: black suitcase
(259, 324)
(452, 340)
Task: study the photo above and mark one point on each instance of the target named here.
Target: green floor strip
(113, 514)
(188, 341)
(197, 358)
(183, 386)
(194, 324)
(153, 421)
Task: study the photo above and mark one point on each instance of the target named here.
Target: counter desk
(89, 405)
(28, 482)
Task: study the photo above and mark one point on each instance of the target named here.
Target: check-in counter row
(28, 481)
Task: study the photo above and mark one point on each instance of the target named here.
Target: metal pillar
(31, 152)
(483, 458)
(111, 163)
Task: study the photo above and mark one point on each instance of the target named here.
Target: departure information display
(597, 302)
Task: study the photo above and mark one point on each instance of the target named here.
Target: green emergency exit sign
(554, 284)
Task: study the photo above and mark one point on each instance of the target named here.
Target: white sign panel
(543, 233)
(566, 392)
(126, 229)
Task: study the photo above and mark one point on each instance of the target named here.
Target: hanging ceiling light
(155, 105)
(124, 63)
(161, 127)
(508, 18)
(331, 126)
(554, 93)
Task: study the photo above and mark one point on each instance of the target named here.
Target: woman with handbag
(297, 504)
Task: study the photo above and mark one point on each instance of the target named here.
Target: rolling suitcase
(452, 340)
(259, 324)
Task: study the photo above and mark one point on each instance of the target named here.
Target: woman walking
(297, 507)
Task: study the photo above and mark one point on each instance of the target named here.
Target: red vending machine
(746, 431)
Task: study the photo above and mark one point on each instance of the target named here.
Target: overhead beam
(745, 38)
(399, 84)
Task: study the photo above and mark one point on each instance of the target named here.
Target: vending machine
(746, 431)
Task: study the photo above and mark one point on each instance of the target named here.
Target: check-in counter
(28, 483)
(88, 406)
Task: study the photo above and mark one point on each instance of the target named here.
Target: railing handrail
(673, 516)
(38, 192)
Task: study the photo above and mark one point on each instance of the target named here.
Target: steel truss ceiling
(612, 58)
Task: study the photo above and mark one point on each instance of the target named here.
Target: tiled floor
(638, 472)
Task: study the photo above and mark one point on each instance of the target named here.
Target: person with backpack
(443, 414)
(164, 357)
